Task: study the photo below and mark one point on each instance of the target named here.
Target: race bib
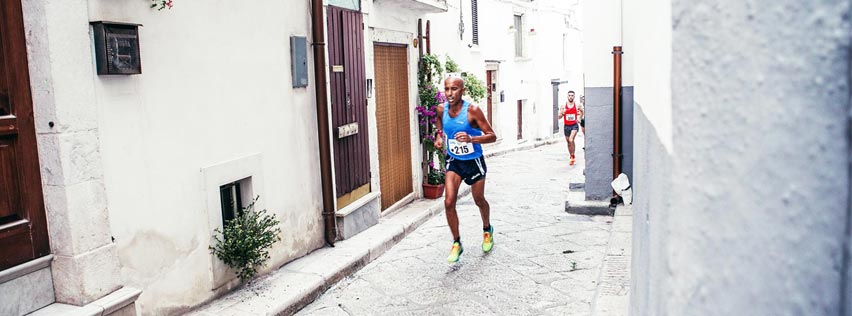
(571, 117)
(459, 148)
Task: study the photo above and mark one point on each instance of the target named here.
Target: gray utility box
(299, 60)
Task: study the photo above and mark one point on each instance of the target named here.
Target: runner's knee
(480, 201)
(450, 204)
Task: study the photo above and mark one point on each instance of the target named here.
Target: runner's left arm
(478, 117)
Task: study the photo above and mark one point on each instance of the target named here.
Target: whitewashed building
(518, 48)
(741, 153)
(113, 184)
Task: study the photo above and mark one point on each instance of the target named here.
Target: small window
(474, 22)
(232, 202)
(519, 36)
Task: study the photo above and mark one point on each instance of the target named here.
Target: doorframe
(21, 99)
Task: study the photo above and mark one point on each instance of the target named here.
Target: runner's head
(454, 89)
(570, 96)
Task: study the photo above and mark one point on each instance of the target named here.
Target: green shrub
(473, 87)
(244, 244)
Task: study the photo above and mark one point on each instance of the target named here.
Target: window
(519, 36)
(232, 203)
(474, 22)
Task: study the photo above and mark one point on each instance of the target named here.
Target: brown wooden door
(520, 119)
(392, 110)
(348, 103)
(23, 228)
(488, 83)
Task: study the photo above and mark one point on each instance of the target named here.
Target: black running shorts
(469, 170)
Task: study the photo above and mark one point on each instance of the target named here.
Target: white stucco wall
(215, 88)
(602, 29)
(652, 153)
(742, 196)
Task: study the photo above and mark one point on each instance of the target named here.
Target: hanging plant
(162, 4)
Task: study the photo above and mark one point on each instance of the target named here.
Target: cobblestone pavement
(544, 261)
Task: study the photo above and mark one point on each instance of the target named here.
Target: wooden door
(520, 119)
(488, 82)
(392, 119)
(348, 104)
(23, 227)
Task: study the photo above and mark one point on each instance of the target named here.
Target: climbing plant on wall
(161, 4)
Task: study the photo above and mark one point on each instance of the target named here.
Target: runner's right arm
(439, 125)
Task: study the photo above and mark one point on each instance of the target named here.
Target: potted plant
(429, 97)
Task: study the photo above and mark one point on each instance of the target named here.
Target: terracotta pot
(433, 191)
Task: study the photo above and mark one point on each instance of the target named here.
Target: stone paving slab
(301, 281)
(545, 261)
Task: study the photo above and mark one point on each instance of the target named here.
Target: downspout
(322, 123)
(616, 118)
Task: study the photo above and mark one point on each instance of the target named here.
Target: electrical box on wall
(117, 48)
(299, 60)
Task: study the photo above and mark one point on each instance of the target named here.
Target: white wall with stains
(742, 158)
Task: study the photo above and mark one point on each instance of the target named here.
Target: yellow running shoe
(455, 252)
(488, 239)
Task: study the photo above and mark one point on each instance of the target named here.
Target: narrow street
(544, 262)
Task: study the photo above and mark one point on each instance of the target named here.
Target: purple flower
(432, 164)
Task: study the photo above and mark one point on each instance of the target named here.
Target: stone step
(26, 287)
(118, 303)
(576, 203)
(358, 216)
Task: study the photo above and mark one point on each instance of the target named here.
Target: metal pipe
(322, 123)
(555, 87)
(428, 38)
(616, 118)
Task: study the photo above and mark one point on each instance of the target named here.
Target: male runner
(464, 126)
(569, 113)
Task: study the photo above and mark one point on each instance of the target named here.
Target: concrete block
(80, 156)
(84, 278)
(88, 216)
(356, 218)
(584, 207)
(77, 217)
(49, 160)
(69, 158)
(27, 293)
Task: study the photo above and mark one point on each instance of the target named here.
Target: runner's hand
(439, 142)
(462, 137)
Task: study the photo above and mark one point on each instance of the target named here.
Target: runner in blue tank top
(464, 126)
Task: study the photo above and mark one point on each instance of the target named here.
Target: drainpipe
(555, 87)
(322, 123)
(616, 118)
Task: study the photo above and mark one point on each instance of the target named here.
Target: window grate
(519, 36)
(230, 196)
(474, 22)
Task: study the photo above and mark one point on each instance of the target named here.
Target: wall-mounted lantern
(117, 48)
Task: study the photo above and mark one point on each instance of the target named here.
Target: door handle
(7, 129)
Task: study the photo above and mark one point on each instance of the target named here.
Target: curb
(612, 293)
(301, 281)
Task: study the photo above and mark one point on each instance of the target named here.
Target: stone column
(86, 265)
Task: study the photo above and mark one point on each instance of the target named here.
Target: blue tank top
(453, 125)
